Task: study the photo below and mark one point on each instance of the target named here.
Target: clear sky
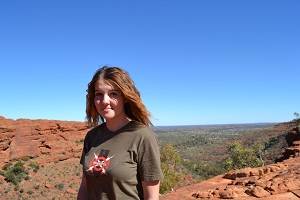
(194, 61)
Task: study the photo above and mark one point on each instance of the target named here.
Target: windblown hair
(117, 77)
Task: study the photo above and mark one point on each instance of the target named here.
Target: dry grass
(51, 181)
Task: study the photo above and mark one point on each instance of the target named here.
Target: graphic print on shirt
(100, 163)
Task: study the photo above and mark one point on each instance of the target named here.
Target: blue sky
(194, 62)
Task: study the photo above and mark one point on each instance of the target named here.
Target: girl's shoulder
(93, 131)
(140, 130)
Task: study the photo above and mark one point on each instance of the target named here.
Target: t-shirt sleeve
(149, 157)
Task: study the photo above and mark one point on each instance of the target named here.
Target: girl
(120, 156)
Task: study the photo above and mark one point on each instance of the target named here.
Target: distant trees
(203, 170)
(297, 118)
(296, 115)
(240, 156)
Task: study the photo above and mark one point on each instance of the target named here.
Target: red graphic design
(100, 164)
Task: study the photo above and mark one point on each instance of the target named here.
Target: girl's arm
(151, 190)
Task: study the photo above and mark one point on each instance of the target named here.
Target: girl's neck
(114, 125)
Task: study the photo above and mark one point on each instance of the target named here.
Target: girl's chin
(108, 116)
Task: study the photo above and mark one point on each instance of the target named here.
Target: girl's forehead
(105, 84)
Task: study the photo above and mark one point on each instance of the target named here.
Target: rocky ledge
(45, 140)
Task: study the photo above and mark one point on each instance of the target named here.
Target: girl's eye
(114, 94)
(98, 94)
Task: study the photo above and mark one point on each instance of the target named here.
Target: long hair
(117, 77)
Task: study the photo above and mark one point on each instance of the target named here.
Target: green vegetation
(241, 157)
(204, 171)
(34, 165)
(15, 173)
(195, 140)
(297, 118)
(60, 186)
(272, 141)
(296, 115)
(170, 163)
(204, 152)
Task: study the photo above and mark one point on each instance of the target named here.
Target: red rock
(296, 192)
(254, 172)
(258, 192)
(49, 186)
(201, 195)
(50, 140)
(230, 175)
(71, 191)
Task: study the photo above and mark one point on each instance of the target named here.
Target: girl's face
(109, 102)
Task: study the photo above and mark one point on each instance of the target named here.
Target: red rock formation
(45, 140)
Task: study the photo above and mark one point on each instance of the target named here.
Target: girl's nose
(105, 99)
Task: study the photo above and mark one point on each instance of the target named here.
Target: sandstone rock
(243, 172)
(293, 184)
(228, 194)
(254, 172)
(261, 183)
(49, 186)
(71, 191)
(21, 145)
(230, 175)
(296, 192)
(241, 181)
(258, 192)
(201, 195)
(43, 139)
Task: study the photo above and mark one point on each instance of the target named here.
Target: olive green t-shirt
(116, 163)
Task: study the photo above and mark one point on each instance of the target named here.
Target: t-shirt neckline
(119, 130)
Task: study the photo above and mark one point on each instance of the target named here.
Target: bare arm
(151, 190)
(82, 193)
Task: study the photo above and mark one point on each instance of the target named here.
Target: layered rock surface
(45, 140)
(280, 181)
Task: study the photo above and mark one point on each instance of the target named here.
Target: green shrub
(60, 186)
(171, 178)
(204, 171)
(170, 164)
(34, 166)
(241, 157)
(15, 173)
(297, 118)
(271, 142)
